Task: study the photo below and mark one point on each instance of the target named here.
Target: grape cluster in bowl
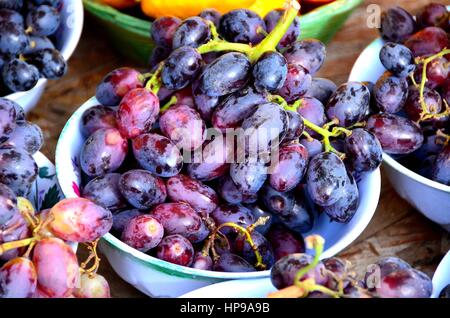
(246, 202)
(410, 104)
(27, 51)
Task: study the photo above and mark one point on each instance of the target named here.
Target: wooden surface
(396, 229)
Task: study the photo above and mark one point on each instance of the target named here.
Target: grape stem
(92, 247)
(5, 247)
(154, 83)
(443, 135)
(169, 104)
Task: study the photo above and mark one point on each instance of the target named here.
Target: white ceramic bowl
(67, 38)
(431, 198)
(158, 278)
(441, 277)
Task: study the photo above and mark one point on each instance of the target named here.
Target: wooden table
(396, 229)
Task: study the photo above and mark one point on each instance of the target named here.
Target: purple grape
(13, 16)
(292, 34)
(232, 263)
(180, 68)
(413, 106)
(121, 219)
(284, 241)
(242, 246)
(298, 82)
(193, 32)
(105, 191)
(313, 146)
(313, 110)
(441, 167)
(211, 15)
(270, 72)
(163, 30)
(96, 118)
(397, 25)
(249, 175)
(230, 192)
(141, 189)
(43, 20)
(390, 93)
(296, 126)
(433, 14)
(397, 59)
(310, 54)
(242, 26)
(205, 104)
(18, 170)
(202, 262)
(27, 136)
(445, 293)
(50, 63)
(258, 213)
(158, 55)
(176, 249)
(238, 214)
(143, 233)
(13, 39)
(8, 117)
(405, 283)
(19, 76)
(8, 205)
(428, 41)
(321, 89)
(363, 151)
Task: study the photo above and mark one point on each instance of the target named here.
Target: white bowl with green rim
(158, 278)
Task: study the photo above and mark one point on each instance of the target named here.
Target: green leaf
(51, 198)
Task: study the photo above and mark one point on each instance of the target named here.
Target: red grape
(430, 40)
(232, 263)
(298, 82)
(202, 262)
(18, 278)
(176, 249)
(285, 241)
(143, 233)
(96, 118)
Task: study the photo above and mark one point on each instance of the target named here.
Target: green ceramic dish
(131, 35)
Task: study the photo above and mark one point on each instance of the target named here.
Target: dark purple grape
(43, 20)
(270, 72)
(202, 198)
(235, 108)
(52, 3)
(390, 93)
(413, 106)
(445, 91)
(11, 4)
(291, 35)
(298, 82)
(278, 203)
(428, 41)
(27, 136)
(13, 39)
(180, 218)
(8, 117)
(205, 104)
(445, 293)
(13, 16)
(242, 246)
(158, 55)
(397, 59)
(249, 175)
(116, 84)
(202, 262)
(50, 63)
(143, 233)
(232, 263)
(441, 167)
(105, 191)
(397, 25)
(211, 15)
(345, 208)
(349, 103)
(38, 43)
(180, 68)
(405, 283)
(141, 189)
(18, 170)
(296, 126)
(258, 213)
(326, 178)
(8, 205)
(158, 155)
(287, 173)
(19, 76)
(438, 71)
(193, 32)
(313, 146)
(397, 135)
(308, 53)
(121, 219)
(238, 214)
(227, 74)
(242, 26)
(284, 271)
(15, 229)
(382, 268)
(433, 14)
(183, 125)
(163, 30)
(321, 89)
(176, 249)
(230, 192)
(137, 112)
(103, 152)
(363, 151)
(284, 241)
(96, 118)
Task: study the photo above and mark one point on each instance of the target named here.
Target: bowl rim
(388, 159)
(187, 272)
(68, 47)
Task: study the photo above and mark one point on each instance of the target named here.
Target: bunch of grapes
(302, 275)
(275, 144)
(27, 52)
(410, 101)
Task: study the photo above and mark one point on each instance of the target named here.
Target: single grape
(249, 175)
(96, 118)
(8, 117)
(349, 103)
(157, 154)
(291, 35)
(232, 263)
(235, 108)
(43, 20)
(18, 278)
(116, 84)
(258, 213)
(270, 72)
(158, 55)
(180, 218)
(163, 30)
(310, 54)
(397, 25)
(103, 152)
(363, 151)
(313, 110)
(284, 271)
(18, 170)
(227, 74)
(180, 68)
(143, 233)
(50, 63)
(202, 198)
(313, 146)
(19, 76)
(193, 32)
(296, 126)
(284, 241)
(184, 96)
(13, 16)
(176, 249)
(105, 192)
(428, 41)
(298, 82)
(433, 14)
(230, 192)
(13, 39)
(390, 93)
(238, 214)
(242, 26)
(276, 202)
(438, 71)
(321, 89)
(413, 106)
(8, 205)
(137, 112)
(38, 43)
(441, 167)
(405, 283)
(211, 15)
(204, 104)
(27, 136)
(397, 135)
(397, 59)
(92, 286)
(326, 178)
(243, 247)
(141, 189)
(445, 293)
(183, 126)
(56, 266)
(202, 262)
(121, 219)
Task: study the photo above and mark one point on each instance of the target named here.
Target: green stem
(221, 45)
(169, 104)
(317, 243)
(5, 247)
(279, 100)
(154, 83)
